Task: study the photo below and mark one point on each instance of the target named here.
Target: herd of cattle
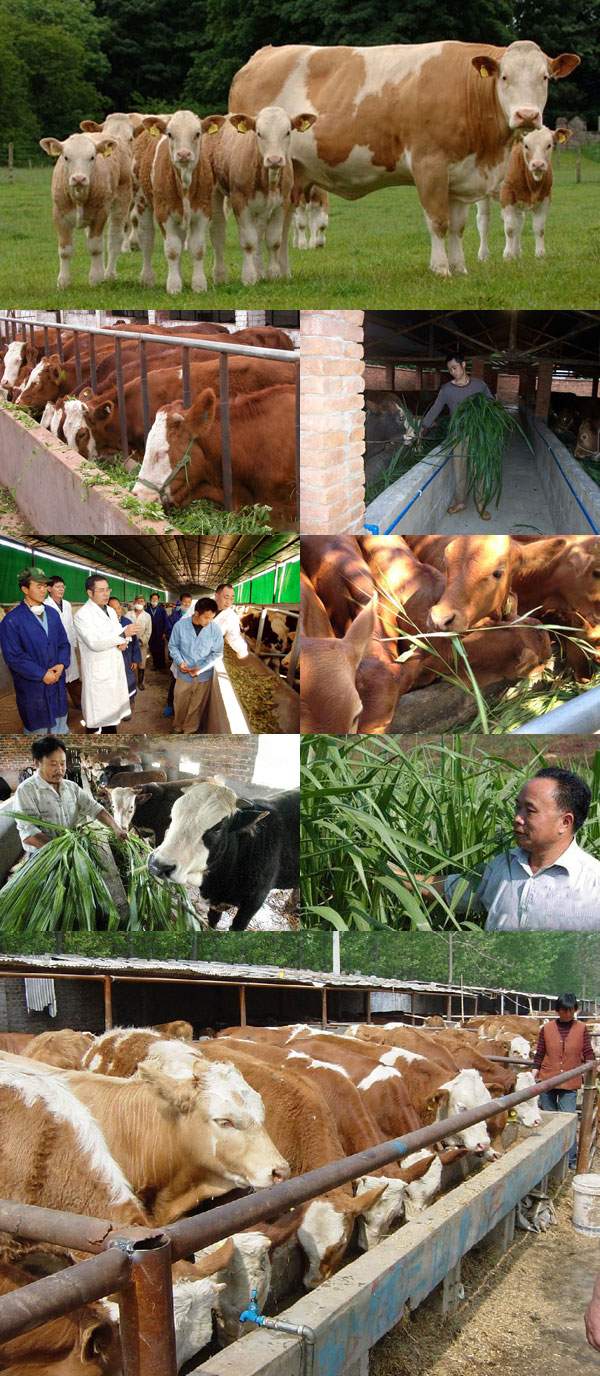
(233, 842)
(305, 121)
(141, 1125)
(182, 453)
(365, 599)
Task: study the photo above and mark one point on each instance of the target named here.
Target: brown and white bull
(440, 115)
(526, 186)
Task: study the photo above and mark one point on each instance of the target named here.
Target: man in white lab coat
(101, 640)
(228, 620)
(56, 598)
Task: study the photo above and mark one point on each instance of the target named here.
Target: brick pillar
(491, 377)
(544, 389)
(333, 423)
(478, 368)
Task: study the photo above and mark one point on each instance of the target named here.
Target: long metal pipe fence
(12, 328)
(136, 1262)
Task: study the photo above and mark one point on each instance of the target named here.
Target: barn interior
(544, 366)
(257, 694)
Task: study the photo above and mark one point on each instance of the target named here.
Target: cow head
(195, 1296)
(424, 1180)
(183, 131)
(197, 816)
(478, 577)
(78, 425)
(119, 126)
(248, 1271)
(175, 434)
(45, 383)
(326, 1229)
(538, 147)
(18, 359)
(220, 1125)
(527, 1113)
(519, 1046)
(79, 153)
(329, 699)
(381, 1215)
(466, 1091)
(273, 129)
(521, 76)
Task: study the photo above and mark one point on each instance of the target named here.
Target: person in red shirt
(563, 1043)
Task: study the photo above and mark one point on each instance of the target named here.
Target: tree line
(65, 60)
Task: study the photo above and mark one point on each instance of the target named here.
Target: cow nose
(274, 160)
(278, 1175)
(184, 155)
(529, 115)
(159, 868)
(78, 179)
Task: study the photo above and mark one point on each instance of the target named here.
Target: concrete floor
(146, 718)
(523, 508)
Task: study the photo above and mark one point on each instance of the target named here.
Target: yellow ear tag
(62, 375)
(306, 124)
(242, 127)
(213, 129)
(483, 71)
(155, 131)
(107, 152)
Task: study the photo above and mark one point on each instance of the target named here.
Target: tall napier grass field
(433, 809)
(377, 251)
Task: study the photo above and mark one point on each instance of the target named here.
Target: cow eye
(224, 1122)
(169, 134)
(497, 573)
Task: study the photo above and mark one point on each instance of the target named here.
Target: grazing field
(377, 253)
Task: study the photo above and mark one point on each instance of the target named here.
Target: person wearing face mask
(36, 649)
(56, 598)
(143, 629)
(450, 395)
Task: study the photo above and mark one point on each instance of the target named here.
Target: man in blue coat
(160, 630)
(37, 651)
(132, 653)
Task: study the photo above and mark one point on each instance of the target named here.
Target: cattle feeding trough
(24, 453)
(331, 1330)
(562, 497)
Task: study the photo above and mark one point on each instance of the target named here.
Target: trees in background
(53, 65)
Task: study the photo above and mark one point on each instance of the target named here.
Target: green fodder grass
(436, 809)
(377, 252)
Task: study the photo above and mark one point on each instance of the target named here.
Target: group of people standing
(97, 656)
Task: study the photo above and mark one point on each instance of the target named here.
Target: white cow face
(318, 221)
(420, 1192)
(466, 1091)
(273, 128)
(193, 1303)
(156, 465)
(528, 1113)
(538, 148)
(519, 1046)
(183, 133)
(183, 855)
(323, 1235)
(77, 428)
(122, 805)
(79, 154)
(248, 1270)
(380, 1217)
(522, 77)
(14, 359)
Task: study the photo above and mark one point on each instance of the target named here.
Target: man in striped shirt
(562, 1043)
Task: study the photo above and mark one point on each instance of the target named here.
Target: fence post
(121, 400)
(225, 433)
(11, 155)
(587, 1126)
(146, 1310)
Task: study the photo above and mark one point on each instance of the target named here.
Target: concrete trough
(417, 503)
(359, 1305)
(226, 713)
(52, 487)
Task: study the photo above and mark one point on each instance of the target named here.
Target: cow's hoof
(147, 279)
(441, 271)
(220, 277)
(458, 269)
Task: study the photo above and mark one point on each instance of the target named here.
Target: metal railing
(12, 328)
(136, 1262)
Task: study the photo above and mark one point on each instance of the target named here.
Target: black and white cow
(235, 850)
(146, 806)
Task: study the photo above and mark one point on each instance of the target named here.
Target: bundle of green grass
(64, 889)
(482, 426)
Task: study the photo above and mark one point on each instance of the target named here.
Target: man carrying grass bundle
(452, 395)
(51, 797)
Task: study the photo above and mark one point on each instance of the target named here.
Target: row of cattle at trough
(304, 120)
(366, 599)
(144, 1125)
(182, 450)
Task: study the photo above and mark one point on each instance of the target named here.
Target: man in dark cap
(36, 649)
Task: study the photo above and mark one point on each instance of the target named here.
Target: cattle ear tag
(510, 606)
(483, 71)
(154, 131)
(306, 124)
(213, 129)
(242, 127)
(62, 376)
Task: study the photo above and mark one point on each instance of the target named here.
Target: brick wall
(332, 431)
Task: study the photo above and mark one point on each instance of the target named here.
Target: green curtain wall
(278, 585)
(13, 561)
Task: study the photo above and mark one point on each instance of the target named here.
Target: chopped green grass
(199, 518)
(377, 252)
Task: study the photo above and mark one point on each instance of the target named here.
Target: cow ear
(212, 123)
(246, 819)
(90, 126)
(563, 65)
(303, 122)
(106, 146)
(510, 607)
(205, 409)
(156, 124)
(30, 354)
(104, 411)
(96, 1338)
(357, 638)
(55, 372)
(145, 794)
(484, 65)
(53, 147)
(367, 1199)
(562, 135)
(243, 123)
(206, 1264)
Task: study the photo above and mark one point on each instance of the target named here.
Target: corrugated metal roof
(235, 974)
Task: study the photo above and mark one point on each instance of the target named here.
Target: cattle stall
(96, 993)
(331, 1330)
(386, 368)
(44, 504)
